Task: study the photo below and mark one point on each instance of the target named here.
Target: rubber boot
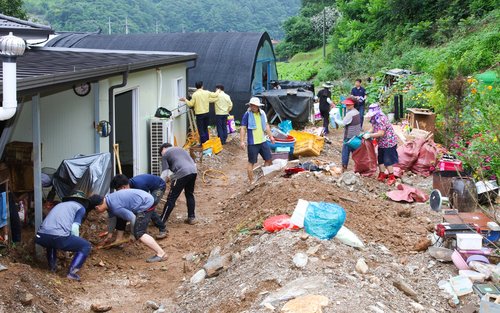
(391, 180)
(76, 265)
(52, 259)
(382, 176)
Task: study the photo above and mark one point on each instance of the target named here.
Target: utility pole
(156, 27)
(324, 30)
(109, 25)
(126, 25)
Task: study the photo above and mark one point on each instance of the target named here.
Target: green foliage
(13, 8)
(303, 66)
(146, 16)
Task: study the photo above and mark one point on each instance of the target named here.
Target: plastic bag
(323, 220)
(285, 126)
(426, 159)
(365, 159)
(347, 237)
(277, 223)
(408, 153)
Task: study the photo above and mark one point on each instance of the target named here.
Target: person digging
(60, 230)
(253, 127)
(382, 129)
(136, 207)
(150, 183)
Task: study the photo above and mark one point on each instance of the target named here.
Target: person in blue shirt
(359, 93)
(136, 207)
(150, 183)
(60, 230)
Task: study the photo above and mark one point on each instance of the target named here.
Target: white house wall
(67, 119)
(66, 126)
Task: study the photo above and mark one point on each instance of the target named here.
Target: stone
(422, 244)
(300, 259)
(405, 288)
(306, 304)
(349, 179)
(215, 265)
(375, 309)
(313, 250)
(26, 298)
(417, 306)
(152, 305)
(3, 268)
(215, 253)
(270, 307)
(296, 288)
(100, 307)
(361, 266)
(304, 236)
(198, 277)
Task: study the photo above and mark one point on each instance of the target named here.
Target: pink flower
(487, 167)
(460, 154)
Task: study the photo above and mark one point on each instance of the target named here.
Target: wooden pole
(117, 157)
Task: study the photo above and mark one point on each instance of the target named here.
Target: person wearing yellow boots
(382, 129)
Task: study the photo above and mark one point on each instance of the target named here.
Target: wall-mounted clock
(82, 89)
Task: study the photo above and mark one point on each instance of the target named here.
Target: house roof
(41, 69)
(225, 57)
(24, 29)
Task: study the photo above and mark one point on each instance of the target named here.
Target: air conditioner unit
(160, 131)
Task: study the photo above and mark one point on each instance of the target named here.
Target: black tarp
(295, 84)
(89, 174)
(294, 107)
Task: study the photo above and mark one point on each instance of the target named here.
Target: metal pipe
(111, 108)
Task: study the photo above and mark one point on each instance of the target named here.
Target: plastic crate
(307, 144)
(18, 152)
(213, 143)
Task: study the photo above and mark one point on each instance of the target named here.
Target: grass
(303, 66)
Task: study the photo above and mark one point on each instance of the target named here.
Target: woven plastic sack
(426, 159)
(323, 220)
(365, 159)
(408, 153)
(285, 126)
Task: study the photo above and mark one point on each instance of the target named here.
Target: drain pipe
(10, 48)
(111, 108)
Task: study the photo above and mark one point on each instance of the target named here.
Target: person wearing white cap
(325, 102)
(387, 143)
(254, 126)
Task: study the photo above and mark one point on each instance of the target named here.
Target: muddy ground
(230, 213)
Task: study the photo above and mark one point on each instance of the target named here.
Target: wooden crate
(422, 119)
(18, 152)
(21, 178)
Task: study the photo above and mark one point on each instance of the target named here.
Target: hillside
(149, 16)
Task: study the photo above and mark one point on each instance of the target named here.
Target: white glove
(367, 136)
(329, 101)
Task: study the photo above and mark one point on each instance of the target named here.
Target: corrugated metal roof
(24, 29)
(227, 58)
(45, 68)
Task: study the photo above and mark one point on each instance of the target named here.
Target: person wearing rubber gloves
(60, 230)
(352, 124)
(382, 129)
(135, 206)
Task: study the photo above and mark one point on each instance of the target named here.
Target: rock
(417, 306)
(296, 288)
(161, 310)
(198, 277)
(422, 245)
(375, 309)
(306, 304)
(300, 259)
(152, 305)
(26, 298)
(405, 288)
(304, 236)
(313, 250)
(349, 179)
(270, 307)
(215, 253)
(215, 265)
(361, 266)
(3, 268)
(100, 307)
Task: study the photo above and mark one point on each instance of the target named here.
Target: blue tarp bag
(323, 220)
(285, 126)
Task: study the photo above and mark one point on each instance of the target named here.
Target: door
(265, 75)
(125, 129)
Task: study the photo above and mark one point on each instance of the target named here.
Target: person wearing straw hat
(382, 129)
(325, 102)
(254, 126)
(352, 123)
(60, 230)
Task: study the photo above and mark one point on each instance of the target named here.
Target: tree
(13, 8)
